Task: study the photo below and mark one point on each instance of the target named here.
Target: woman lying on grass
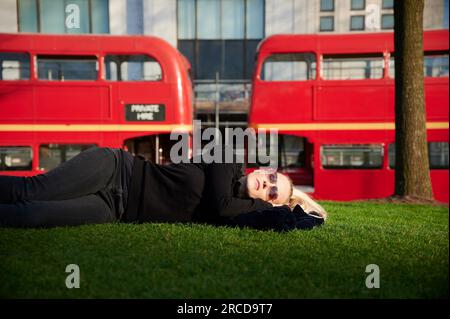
(102, 185)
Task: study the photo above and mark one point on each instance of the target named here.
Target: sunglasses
(273, 190)
(273, 193)
(272, 178)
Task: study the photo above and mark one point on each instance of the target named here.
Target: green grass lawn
(409, 243)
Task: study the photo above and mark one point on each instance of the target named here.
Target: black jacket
(186, 192)
(280, 219)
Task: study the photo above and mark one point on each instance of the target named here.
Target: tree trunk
(412, 171)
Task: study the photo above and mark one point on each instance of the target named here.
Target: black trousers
(88, 189)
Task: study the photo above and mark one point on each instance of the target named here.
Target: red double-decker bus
(332, 99)
(60, 94)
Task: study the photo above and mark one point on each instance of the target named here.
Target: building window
(437, 154)
(387, 4)
(387, 21)
(357, 23)
(354, 67)
(64, 16)
(220, 36)
(67, 68)
(326, 23)
(289, 67)
(358, 4)
(14, 66)
(352, 156)
(445, 20)
(15, 158)
(326, 5)
(132, 68)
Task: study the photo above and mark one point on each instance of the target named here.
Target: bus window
(264, 152)
(352, 156)
(437, 153)
(136, 67)
(289, 67)
(67, 68)
(434, 65)
(51, 155)
(14, 66)
(154, 148)
(291, 151)
(352, 67)
(15, 158)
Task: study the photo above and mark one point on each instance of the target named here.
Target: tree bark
(412, 168)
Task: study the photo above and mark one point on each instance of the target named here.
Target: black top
(124, 167)
(186, 192)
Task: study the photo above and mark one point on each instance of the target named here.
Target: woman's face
(272, 187)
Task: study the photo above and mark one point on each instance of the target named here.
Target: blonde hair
(306, 202)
